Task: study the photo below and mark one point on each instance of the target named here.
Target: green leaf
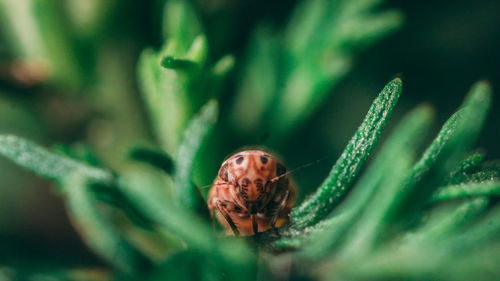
(140, 188)
(98, 232)
(345, 170)
(164, 95)
(112, 195)
(444, 154)
(321, 43)
(45, 163)
(20, 30)
(258, 82)
(171, 62)
(75, 179)
(481, 233)
(316, 49)
(399, 203)
(404, 141)
(489, 171)
(199, 127)
(465, 190)
(362, 238)
(173, 94)
(181, 22)
(449, 221)
(223, 66)
(155, 158)
(59, 45)
(466, 167)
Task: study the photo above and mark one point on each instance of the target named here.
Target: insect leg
(278, 211)
(223, 211)
(254, 224)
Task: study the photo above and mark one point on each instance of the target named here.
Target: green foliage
(467, 190)
(403, 143)
(45, 163)
(345, 170)
(288, 74)
(407, 215)
(186, 193)
(74, 179)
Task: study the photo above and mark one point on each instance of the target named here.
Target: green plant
(408, 215)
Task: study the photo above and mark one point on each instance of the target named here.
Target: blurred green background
(441, 49)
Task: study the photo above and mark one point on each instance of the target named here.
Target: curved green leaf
(465, 190)
(199, 127)
(404, 141)
(45, 163)
(345, 170)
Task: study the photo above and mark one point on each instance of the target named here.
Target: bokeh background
(442, 48)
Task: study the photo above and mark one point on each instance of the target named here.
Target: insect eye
(263, 159)
(239, 159)
(223, 173)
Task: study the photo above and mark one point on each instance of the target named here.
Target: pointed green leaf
(98, 232)
(199, 127)
(320, 45)
(445, 152)
(45, 163)
(467, 166)
(181, 22)
(449, 222)
(345, 170)
(155, 158)
(75, 179)
(196, 233)
(404, 141)
(399, 203)
(465, 190)
(223, 66)
(171, 62)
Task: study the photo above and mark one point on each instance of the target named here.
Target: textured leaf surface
(345, 170)
(404, 141)
(445, 152)
(45, 163)
(409, 195)
(75, 178)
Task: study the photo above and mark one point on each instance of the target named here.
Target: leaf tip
(174, 63)
(427, 110)
(479, 94)
(398, 80)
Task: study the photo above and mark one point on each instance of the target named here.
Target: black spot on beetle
(239, 159)
(245, 182)
(263, 159)
(259, 183)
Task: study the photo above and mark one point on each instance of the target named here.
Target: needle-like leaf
(403, 142)
(465, 190)
(75, 179)
(345, 170)
(196, 132)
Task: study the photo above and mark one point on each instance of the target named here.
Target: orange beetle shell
(251, 192)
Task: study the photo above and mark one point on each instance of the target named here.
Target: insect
(252, 193)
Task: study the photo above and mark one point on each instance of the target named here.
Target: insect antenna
(277, 178)
(209, 185)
